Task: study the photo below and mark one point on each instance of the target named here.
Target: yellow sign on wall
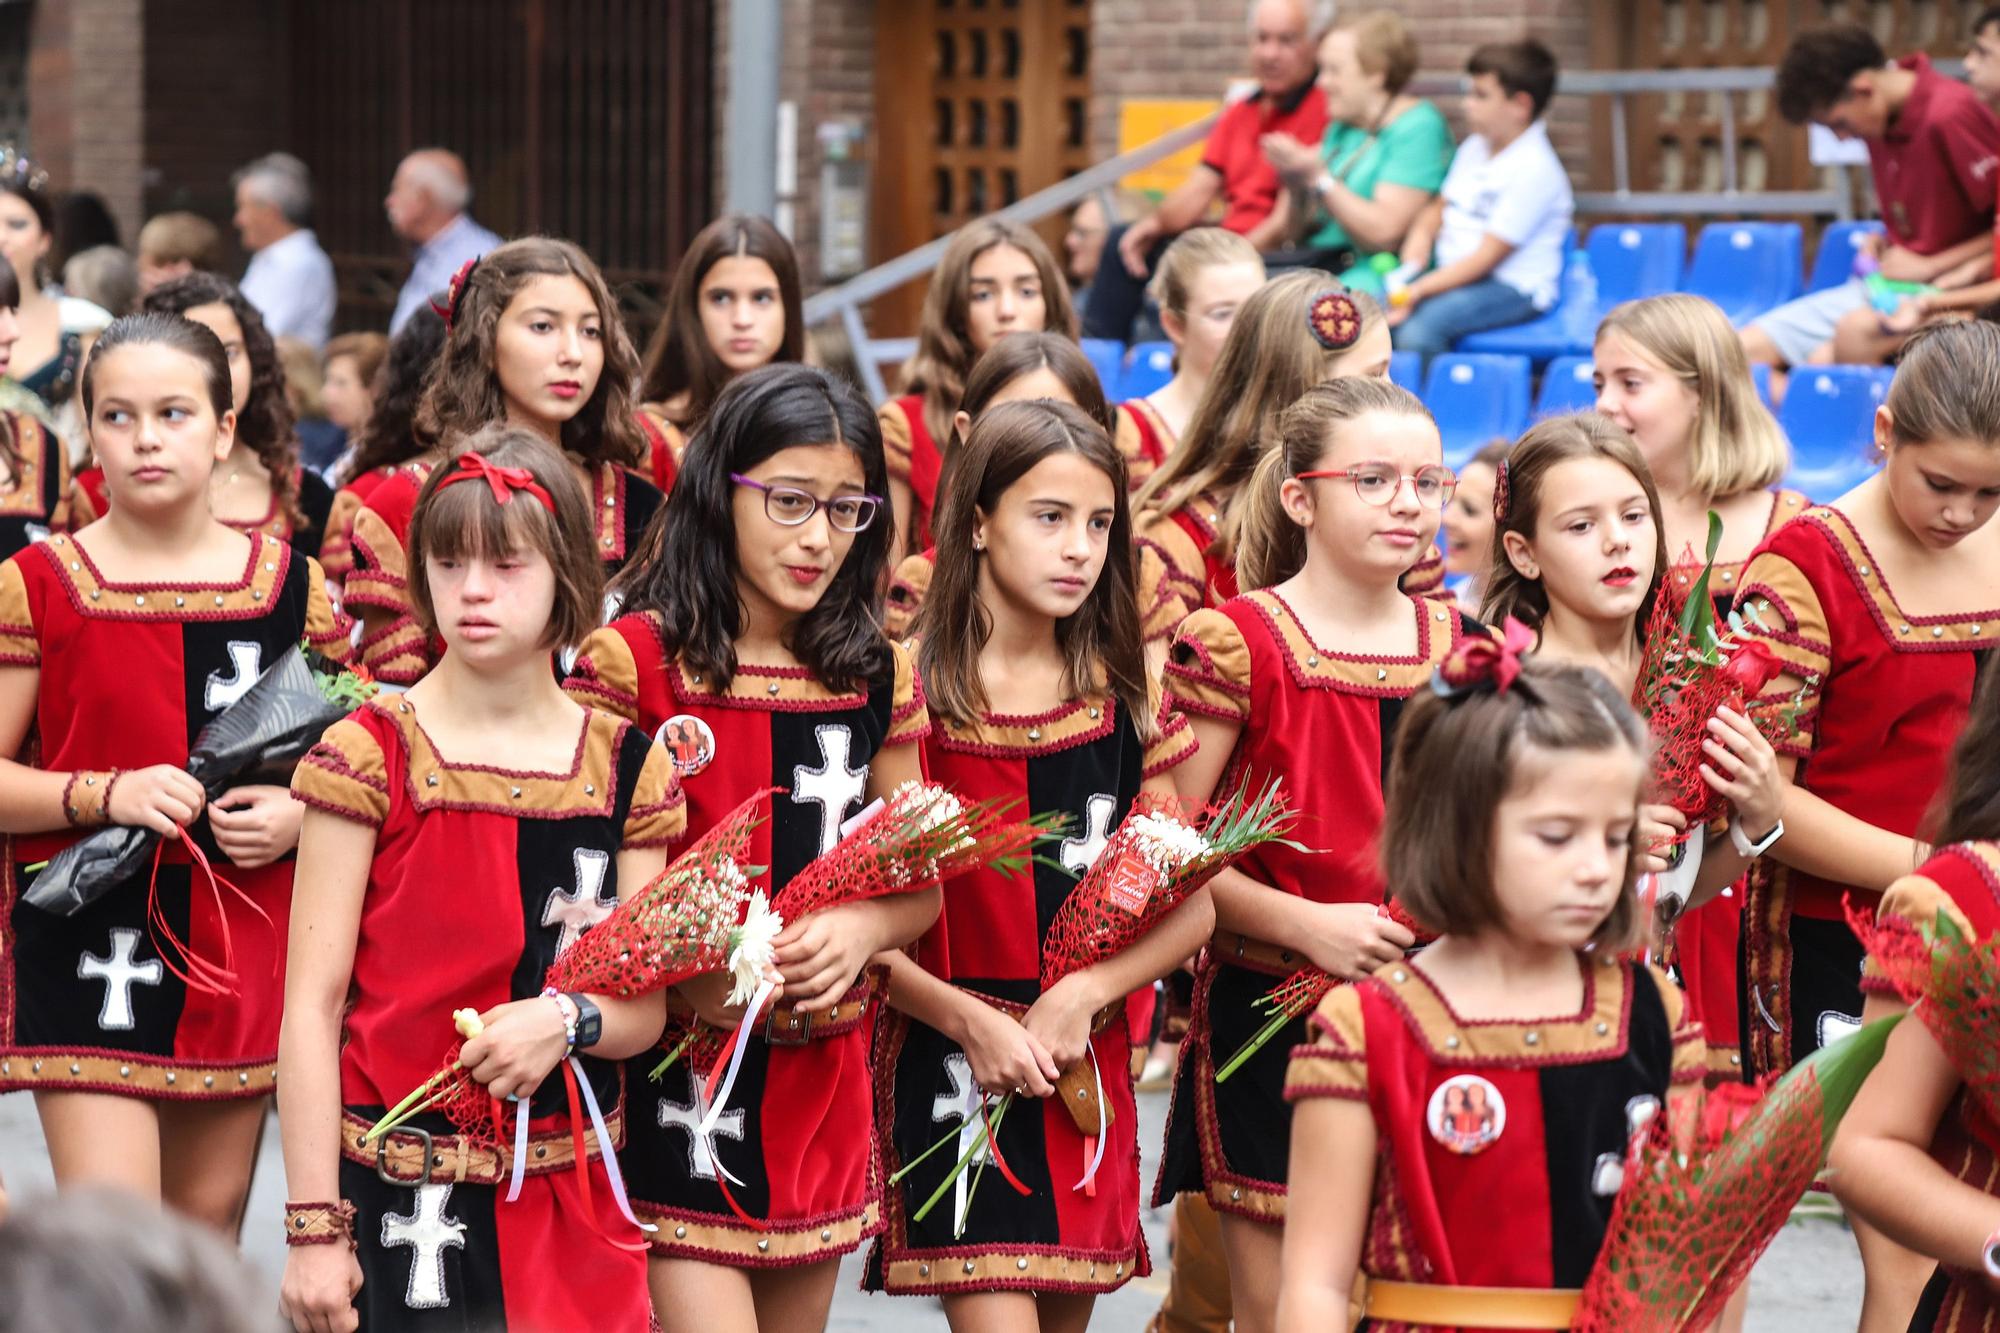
(1142, 120)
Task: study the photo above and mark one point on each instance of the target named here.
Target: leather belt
(1226, 946)
(415, 1157)
(786, 1026)
(1475, 1307)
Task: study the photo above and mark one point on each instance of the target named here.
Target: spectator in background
(83, 222)
(1233, 170)
(1383, 159)
(1982, 57)
(173, 245)
(321, 443)
(426, 207)
(290, 279)
(347, 390)
(47, 354)
(1084, 242)
(1935, 151)
(1493, 241)
(105, 276)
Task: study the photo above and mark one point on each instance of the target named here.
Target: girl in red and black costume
(1042, 703)
(1202, 280)
(483, 807)
(994, 278)
(1463, 1117)
(1297, 330)
(1020, 367)
(260, 486)
(1882, 604)
(749, 621)
(388, 439)
(734, 306)
(1303, 681)
(533, 338)
(120, 643)
(35, 491)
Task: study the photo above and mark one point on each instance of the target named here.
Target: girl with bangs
(749, 641)
(995, 278)
(119, 643)
(533, 338)
(1030, 644)
(486, 805)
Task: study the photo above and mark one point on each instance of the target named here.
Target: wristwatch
(1322, 185)
(589, 1021)
(1989, 1255)
(1743, 845)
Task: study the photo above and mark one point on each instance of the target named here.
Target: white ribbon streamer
(610, 1158)
(1097, 1076)
(739, 1045)
(520, 1148)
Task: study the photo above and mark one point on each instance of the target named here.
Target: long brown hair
(1270, 547)
(1018, 354)
(1548, 444)
(944, 339)
(464, 392)
(265, 424)
(680, 360)
(1101, 639)
(1947, 385)
(1968, 808)
(389, 435)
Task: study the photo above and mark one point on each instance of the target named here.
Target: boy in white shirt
(1493, 239)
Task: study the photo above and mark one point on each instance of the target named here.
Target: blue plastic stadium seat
(1567, 386)
(1834, 262)
(1747, 268)
(1107, 357)
(1476, 397)
(1829, 414)
(1149, 367)
(1636, 259)
(1540, 339)
(1407, 369)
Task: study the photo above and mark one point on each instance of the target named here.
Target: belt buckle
(795, 1033)
(382, 1159)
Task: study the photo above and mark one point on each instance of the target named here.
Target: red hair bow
(454, 293)
(1478, 663)
(503, 481)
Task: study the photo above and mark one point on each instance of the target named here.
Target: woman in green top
(1384, 157)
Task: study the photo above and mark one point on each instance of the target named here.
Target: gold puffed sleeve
(1209, 673)
(345, 774)
(1335, 1062)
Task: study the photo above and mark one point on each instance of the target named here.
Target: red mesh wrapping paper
(1952, 983)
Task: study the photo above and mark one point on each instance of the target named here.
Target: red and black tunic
(1961, 881)
(798, 1128)
(130, 674)
(399, 653)
(1708, 938)
(89, 501)
(1084, 760)
(1323, 722)
(915, 458)
(1886, 694)
(37, 501)
(510, 867)
(1500, 1144)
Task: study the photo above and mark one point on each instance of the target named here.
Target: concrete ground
(1810, 1282)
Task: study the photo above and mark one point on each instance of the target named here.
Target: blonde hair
(944, 341)
(1736, 445)
(1192, 251)
(1269, 359)
(1383, 45)
(1270, 546)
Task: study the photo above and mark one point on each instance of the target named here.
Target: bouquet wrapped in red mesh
(1701, 1201)
(1152, 863)
(1952, 983)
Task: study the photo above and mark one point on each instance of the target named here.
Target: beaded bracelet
(570, 1016)
(319, 1223)
(86, 797)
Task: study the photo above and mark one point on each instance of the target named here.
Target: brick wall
(85, 114)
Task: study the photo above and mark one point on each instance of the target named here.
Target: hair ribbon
(1484, 663)
(504, 482)
(454, 293)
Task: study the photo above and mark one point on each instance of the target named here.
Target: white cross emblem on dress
(1608, 1177)
(221, 691)
(833, 784)
(1080, 854)
(963, 1104)
(577, 910)
(428, 1233)
(119, 973)
(701, 1152)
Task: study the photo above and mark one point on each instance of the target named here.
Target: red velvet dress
(798, 1129)
(1886, 695)
(1500, 1145)
(336, 550)
(914, 457)
(1324, 722)
(665, 444)
(509, 867)
(1179, 570)
(1144, 438)
(37, 502)
(89, 500)
(130, 674)
(1086, 761)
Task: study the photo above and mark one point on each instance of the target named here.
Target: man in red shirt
(1233, 168)
(1935, 150)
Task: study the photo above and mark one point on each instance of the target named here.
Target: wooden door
(978, 103)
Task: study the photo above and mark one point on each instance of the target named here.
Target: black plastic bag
(263, 734)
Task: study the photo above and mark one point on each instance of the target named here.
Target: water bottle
(1579, 302)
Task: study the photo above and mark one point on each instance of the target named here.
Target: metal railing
(844, 302)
